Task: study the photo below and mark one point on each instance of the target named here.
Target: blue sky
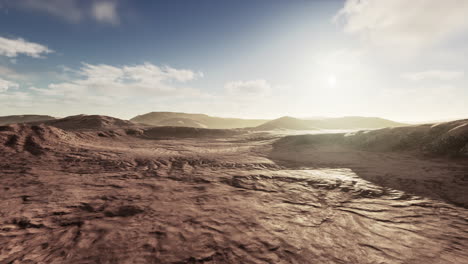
(254, 58)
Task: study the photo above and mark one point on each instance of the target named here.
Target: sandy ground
(121, 199)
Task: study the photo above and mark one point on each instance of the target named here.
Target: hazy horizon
(399, 60)
(264, 118)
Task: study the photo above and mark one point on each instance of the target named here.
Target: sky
(397, 59)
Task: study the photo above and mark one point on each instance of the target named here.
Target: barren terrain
(132, 194)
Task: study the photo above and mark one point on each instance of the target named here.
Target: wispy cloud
(13, 47)
(5, 85)
(65, 9)
(434, 75)
(11, 73)
(404, 24)
(73, 11)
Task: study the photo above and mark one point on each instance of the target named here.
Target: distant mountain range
(195, 120)
(172, 119)
(350, 122)
(286, 122)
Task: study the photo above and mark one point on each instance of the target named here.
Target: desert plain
(95, 189)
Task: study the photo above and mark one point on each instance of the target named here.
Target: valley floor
(230, 200)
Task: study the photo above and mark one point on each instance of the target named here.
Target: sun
(332, 80)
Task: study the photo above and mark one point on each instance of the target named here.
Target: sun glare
(332, 80)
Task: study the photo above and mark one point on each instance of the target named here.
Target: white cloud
(105, 12)
(434, 75)
(5, 85)
(13, 47)
(403, 23)
(248, 88)
(126, 81)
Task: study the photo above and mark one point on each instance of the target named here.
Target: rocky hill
(86, 122)
(448, 138)
(13, 119)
